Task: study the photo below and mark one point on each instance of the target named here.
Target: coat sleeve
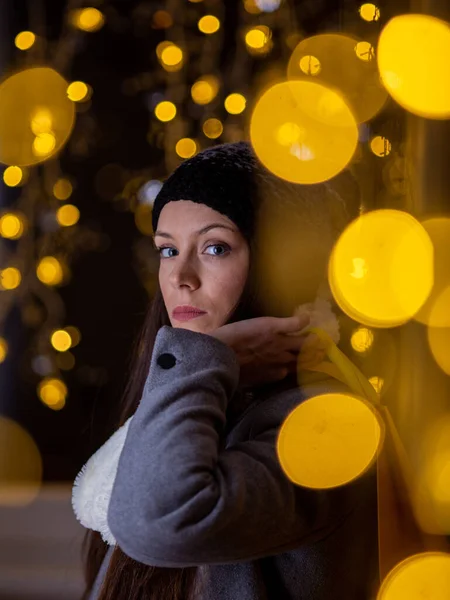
(180, 498)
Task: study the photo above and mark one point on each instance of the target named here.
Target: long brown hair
(126, 578)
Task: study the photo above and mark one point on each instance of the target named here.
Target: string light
(235, 103)
(209, 24)
(12, 176)
(25, 40)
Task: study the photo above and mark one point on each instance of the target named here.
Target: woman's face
(207, 270)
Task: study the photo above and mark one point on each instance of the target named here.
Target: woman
(198, 507)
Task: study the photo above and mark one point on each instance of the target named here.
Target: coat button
(166, 360)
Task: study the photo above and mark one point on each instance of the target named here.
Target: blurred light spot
(165, 111)
(143, 219)
(38, 125)
(369, 12)
(75, 335)
(78, 91)
(3, 349)
(377, 383)
(310, 65)
(52, 392)
(328, 440)
(439, 342)
(67, 215)
(148, 192)
(65, 361)
(362, 339)
(62, 190)
(251, 7)
(61, 340)
(204, 90)
(332, 60)
(413, 59)
(10, 278)
(212, 128)
(172, 55)
(325, 125)
(20, 465)
(380, 146)
(365, 51)
(381, 268)
(11, 226)
(209, 24)
(12, 176)
(255, 38)
(186, 147)
(44, 144)
(88, 19)
(24, 40)
(42, 365)
(268, 5)
(418, 577)
(436, 310)
(162, 20)
(50, 271)
(235, 103)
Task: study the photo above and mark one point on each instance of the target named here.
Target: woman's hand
(268, 348)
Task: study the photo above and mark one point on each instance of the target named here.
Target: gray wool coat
(199, 484)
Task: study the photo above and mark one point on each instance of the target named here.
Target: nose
(184, 272)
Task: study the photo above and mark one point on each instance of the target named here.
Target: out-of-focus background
(99, 101)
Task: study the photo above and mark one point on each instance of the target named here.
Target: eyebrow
(199, 232)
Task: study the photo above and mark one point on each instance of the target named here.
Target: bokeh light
(62, 190)
(303, 132)
(258, 40)
(436, 310)
(24, 40)
(369, 12)
(212, 128)
(88, 19)
(439, 342)
(186, 147)
(171, 55)
(209, 24)
(52, 392)
(67, 215)
(380, 146)
(420, 576)
(381, 268)
(205, 89)
(10, 278)
(413, 58)
(12, 176)
(165, 111)
(78, 91)
(3, 349)
(361, 339)
(329, 440)
(365, 51)
(36, 116)
(235, 103)
(11, 226)
(50, 270)
(332, 59)
(61, 340)
(20, 465)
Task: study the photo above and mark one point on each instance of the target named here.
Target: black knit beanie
(230, 179)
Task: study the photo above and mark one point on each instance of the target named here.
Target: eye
(227, 249)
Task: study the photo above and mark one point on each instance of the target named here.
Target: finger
(292, 324)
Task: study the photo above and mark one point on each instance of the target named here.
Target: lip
(184, 313)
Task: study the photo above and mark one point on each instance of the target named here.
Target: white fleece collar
(93, 485)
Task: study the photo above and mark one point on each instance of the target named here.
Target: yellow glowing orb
(205, 90)
(11, 226)
(50, 271)
(333, 61)
(381, 268)
(24, 40)
(413, 59)
(78, 91)
(61, 340)
(369, 12)
(362, 339)
(235, 103)
(12, 176)
(420, 576)
(212, 128)
(36, 116)
(380, 146)
(67, 215)
(62, 189)
(10, 278)
(3, 349)
(53, 392)
(436, 310)
(20, 465)
(88, 19)
(165, 111)
(329, 440)
(324, 125)
(209, 24)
